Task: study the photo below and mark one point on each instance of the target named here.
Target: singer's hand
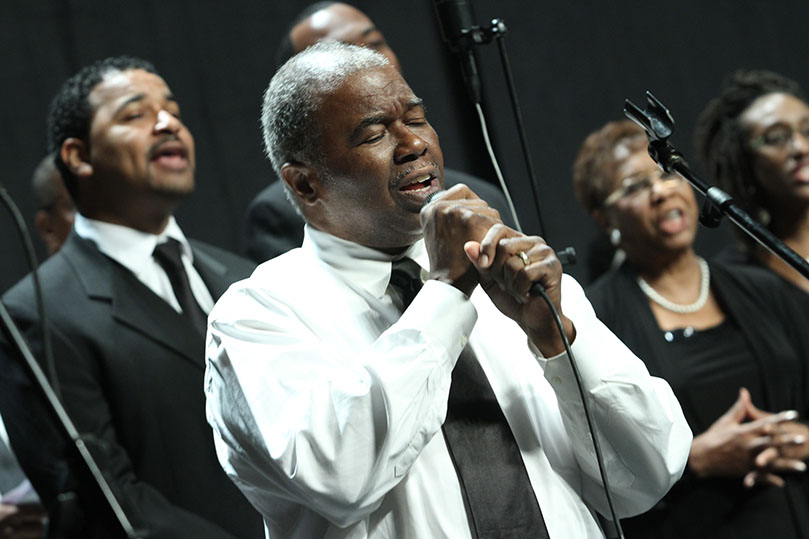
(787, 452)
(450, 221)
(790, 438)
(743, 442)
(508, 264)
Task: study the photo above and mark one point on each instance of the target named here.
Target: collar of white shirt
(362, 266)
(133, 249)
(129, 247)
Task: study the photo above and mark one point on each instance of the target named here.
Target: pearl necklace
(704, 292)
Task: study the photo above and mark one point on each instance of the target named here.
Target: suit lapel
(214, 274)
(132, 303)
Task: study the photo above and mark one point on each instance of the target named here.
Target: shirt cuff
(443, 313)
(558, 370)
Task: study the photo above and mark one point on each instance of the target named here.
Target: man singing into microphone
(393, 377)
(272, 224)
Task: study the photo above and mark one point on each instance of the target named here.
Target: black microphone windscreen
(455, 19)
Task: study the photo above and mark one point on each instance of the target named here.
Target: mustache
(163, 140)
(403, 173)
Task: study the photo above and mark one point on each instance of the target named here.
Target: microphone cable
(47, 348)
(566, 256)
(49, 383)
(496, 166)
(458, 30)
(538, 290)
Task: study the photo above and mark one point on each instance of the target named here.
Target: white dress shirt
(3, 433)
(133, 249)
(325, 402)
(9, 465)
(4, 441)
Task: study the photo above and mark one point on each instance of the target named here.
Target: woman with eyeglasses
(731, 341)
(754, 142)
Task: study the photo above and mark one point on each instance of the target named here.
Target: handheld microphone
(434, 196)
(458, 30)
(566, 256)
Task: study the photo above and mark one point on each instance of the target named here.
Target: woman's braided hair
(720, 139)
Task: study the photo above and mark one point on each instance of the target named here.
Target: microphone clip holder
(477, 35)
(658, 123)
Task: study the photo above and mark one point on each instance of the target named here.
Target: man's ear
(74, 154)
(44, 226)
(303, 180)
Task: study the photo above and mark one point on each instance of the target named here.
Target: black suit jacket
(131, 375)
(274, 227)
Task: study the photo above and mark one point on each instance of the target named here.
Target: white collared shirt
(3, 433)
(4, 440)
(133, 249)
(327, 403)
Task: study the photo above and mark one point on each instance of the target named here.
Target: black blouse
(763, 345)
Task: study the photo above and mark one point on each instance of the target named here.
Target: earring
(764, 216)
(615, 237)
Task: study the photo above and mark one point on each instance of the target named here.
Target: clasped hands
(468, 245)
(22, 522)
(751, 443)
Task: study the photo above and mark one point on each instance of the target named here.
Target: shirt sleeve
(643, 434)
(297, 416)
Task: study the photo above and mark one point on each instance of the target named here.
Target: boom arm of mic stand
(658, 123)
(64, 421)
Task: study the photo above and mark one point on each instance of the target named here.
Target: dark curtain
(574, 64)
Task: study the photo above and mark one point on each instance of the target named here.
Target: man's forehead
(337, 22)
(370, 88)
(118, 84)
(352, 33)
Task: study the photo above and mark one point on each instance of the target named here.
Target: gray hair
(295, 93)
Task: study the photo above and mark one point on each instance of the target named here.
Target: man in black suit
(126, 299)
(273, 225)
(55, 211)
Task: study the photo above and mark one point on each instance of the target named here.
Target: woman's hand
(750, 443)
(22, 522)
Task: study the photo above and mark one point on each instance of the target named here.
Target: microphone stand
(36, 374)
(658, 123)
(497, 30)
(463, 44)
(65, 516)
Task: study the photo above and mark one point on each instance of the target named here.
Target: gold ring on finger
(524, 257)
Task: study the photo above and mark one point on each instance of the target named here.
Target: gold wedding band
(524, 257)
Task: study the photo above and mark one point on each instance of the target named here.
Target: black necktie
(499, 500)
(10, 473)
(168, 256)
(406, 278)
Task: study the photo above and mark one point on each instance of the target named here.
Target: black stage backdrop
(574, 64)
